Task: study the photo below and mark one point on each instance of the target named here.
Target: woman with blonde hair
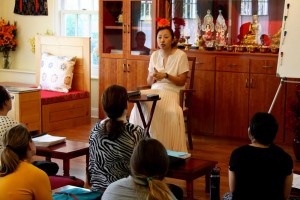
(149, 165)
(19, 179)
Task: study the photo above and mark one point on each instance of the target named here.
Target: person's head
(114, 104)
(114, 101)
(18, 146)
(149, 163)
(140, 38)
(165, 38)
(263, 128)
(5, 98)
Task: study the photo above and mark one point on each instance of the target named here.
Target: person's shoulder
(241, 149)
(32, 170)
(280, 151)
(180, 53)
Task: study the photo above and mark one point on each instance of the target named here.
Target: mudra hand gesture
(158, 76)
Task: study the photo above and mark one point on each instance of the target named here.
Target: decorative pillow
(56, 72)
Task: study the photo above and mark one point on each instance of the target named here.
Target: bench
(62, 110)
(191, 170)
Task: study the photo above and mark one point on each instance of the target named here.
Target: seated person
(140, 39)
(19, 179)
(5, 106)
(51, 168)
(112, 141)
(260, 170)
(149, 165)
(168, 69)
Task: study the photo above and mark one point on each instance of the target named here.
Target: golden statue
(276, 39)
(252, 37)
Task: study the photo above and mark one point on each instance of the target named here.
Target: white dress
(167, 124)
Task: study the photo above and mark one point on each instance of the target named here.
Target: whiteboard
(289, 51)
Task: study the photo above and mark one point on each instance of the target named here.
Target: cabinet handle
(199, 63)
(251, 82)
(124, 28)
(128, 67)
(267, 67)
(124, 67)
(247, 85)
(128, 28)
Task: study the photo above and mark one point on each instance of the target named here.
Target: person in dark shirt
(140, 39)
(260, 170)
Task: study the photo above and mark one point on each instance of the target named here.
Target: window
(189, 9)
(252, 7)
(146, 10)
(80, 18)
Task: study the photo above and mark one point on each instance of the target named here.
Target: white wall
(23, 68)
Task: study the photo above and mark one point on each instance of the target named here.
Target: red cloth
(48, 97)
(60, 181)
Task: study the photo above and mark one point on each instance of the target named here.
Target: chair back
(190, 77)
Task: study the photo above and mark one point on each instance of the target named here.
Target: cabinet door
(231, 104)
(139, 33)
(202, 119)
(112, 71)
(137, 72)
(263, 88)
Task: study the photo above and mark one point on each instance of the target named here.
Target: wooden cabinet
(121, 61)
(204, 96)
(230, 88)
(120, 21)
(246, 85)
(263, 87)
(128, 73)
(26, 109)
(232, 92)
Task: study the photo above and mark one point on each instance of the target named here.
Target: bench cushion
(49, 97)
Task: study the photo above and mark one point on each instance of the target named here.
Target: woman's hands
(157, 76)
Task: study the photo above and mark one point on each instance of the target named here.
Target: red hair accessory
(162, 22)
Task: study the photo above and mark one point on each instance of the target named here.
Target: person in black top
(260, 170)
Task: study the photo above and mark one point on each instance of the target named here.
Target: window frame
(60, 27)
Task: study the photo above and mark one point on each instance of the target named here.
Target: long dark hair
(174, 42)
(15, 142)
(4, 96)
(114, 103)
(149, 163)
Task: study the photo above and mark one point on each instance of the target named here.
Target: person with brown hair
(112, 141)
(167, 75)
(149, 165)
(51, 168)
(5, 106)
(19, 179)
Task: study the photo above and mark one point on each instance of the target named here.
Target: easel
(283, 80)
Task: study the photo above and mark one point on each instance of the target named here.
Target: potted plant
(293, 121)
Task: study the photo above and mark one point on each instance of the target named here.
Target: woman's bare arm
(288, 185)
(231, 176)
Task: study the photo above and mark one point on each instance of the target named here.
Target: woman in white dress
(167, 75)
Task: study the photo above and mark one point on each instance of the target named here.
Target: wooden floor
(205, 147)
